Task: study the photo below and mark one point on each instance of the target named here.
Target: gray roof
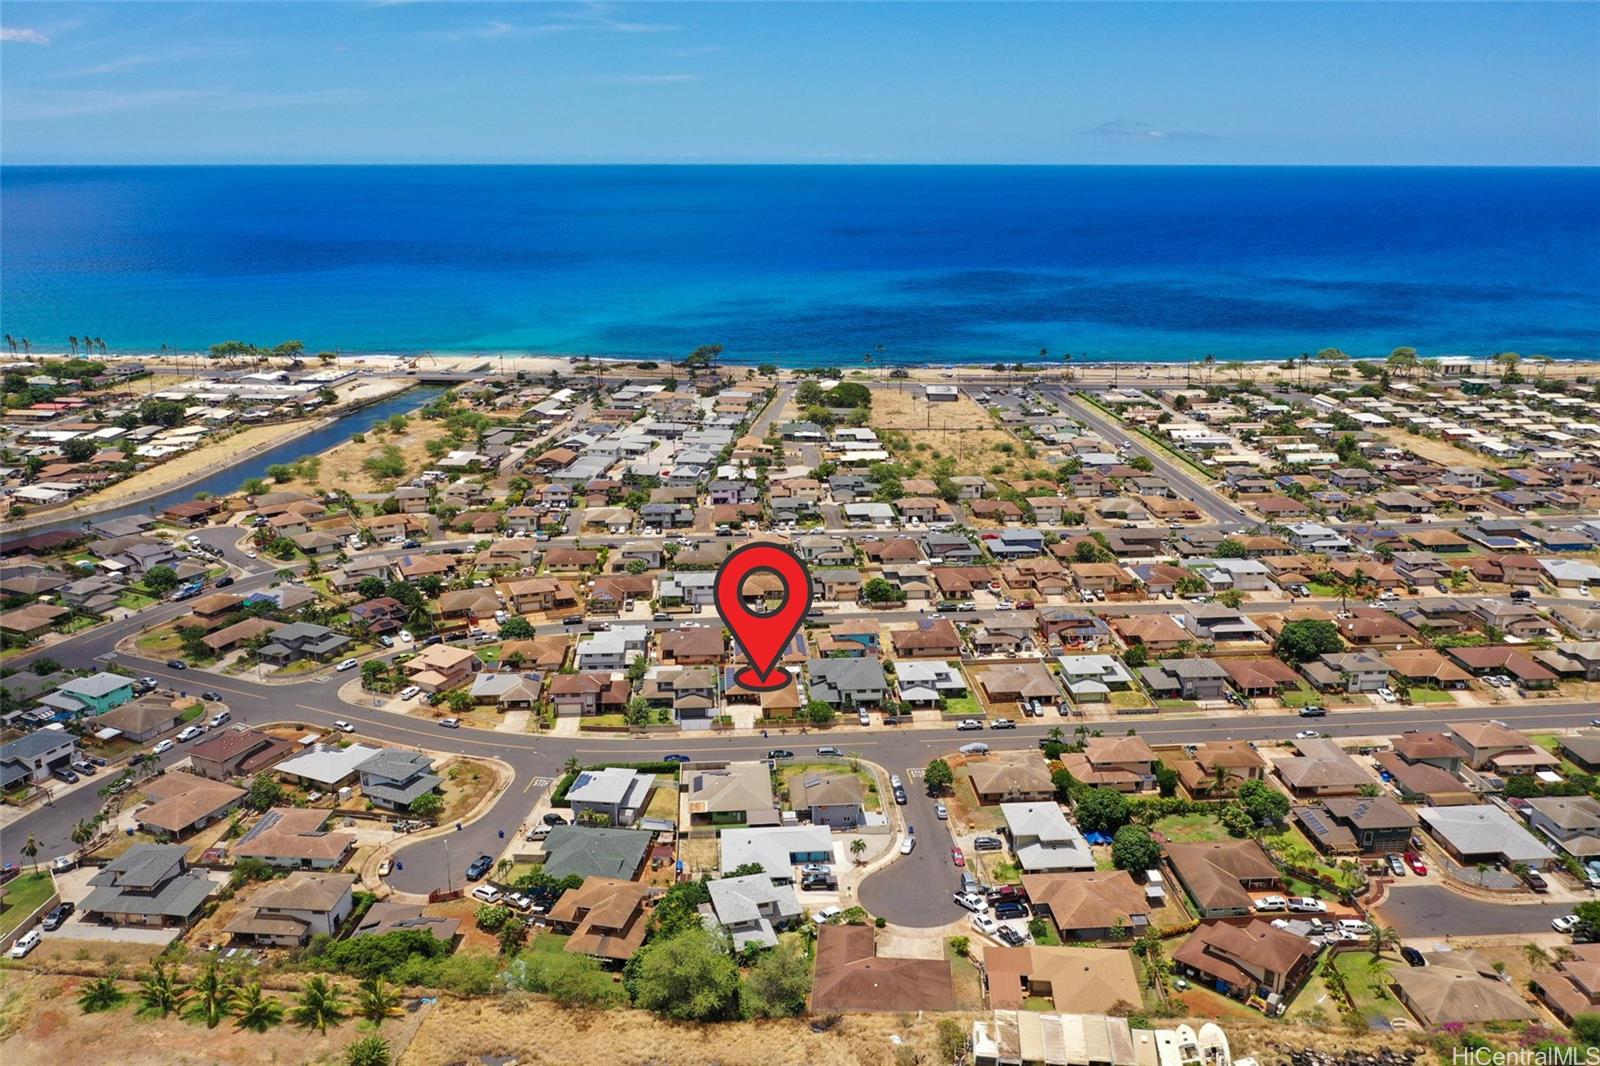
(146, 879)
(610, 785)
(96, 685)
(1485, 830)
(591, 852)
(829, 677)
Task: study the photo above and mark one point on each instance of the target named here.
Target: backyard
(1366, 980)
(23, 895)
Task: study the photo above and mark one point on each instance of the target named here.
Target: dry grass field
(927, 432)
(1440, 451)
(343, 466)
(189, 464)
(457, 1031)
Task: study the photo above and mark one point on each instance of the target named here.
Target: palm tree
(101, 994)
(572, 765)
(375, 1001)
(161, 993)
(82, 833)
(858, 848)
(368, 1051)
(212, 993)
(74, 342)
(1220, 776)
(30, 849)
(1382, 938)
(11, 342)
(1538, 957)
(320, 1003)
(255, 1011)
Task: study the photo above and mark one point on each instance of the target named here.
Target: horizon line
(198, 164)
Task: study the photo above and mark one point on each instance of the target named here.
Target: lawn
(1366, 981)
(135, 601)
(1321, 591)
(1300, 697)
(967, 809)
(962, 707)
(24, 894)
(1129, 700)
(603, 721)
(1191, 829)
(664, 800)
(1431, 695)
(546, 943)
(159, 642)
(969, 992)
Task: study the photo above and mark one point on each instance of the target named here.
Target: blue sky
(1283, 83)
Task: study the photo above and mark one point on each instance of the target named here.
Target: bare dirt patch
(212, 454)
(924, 432)
(345, 467)
(1440, 451)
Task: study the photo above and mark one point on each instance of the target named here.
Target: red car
(1418, 867)
(1023, 605)
(957, 857)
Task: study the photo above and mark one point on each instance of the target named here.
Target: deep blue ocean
(808, 264)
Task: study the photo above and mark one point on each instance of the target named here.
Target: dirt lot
(1440, 451)
(206, 456)
(462, 1031)
(342, 466)
(961, 430)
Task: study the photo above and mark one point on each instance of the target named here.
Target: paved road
(915, 890)
(1176, 474)
(1435, 911)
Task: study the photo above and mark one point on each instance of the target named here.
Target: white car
(348, 664)
(941, 812)
(894, 781)
(864, 718)
(1387, 695)
(972, 901)
(406, 637)
(249, 555)
(1307, 905)
(407, 692)
(62, 863)
(1564, 924)
(827, 914)
(1307, 734)
(162, 747)
(26, 943)
(1271, 903)
(189, 734)
(1353, 928)
(984, 924)
(487, 893)
(384, 867)
(908, 845)
(218, 718)
(343, 726)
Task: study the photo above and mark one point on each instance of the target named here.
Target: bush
(386, 955)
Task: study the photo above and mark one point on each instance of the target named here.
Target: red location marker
(762, 635)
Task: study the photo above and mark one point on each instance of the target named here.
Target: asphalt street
(1433, 910)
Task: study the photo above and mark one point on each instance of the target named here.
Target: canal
(255, 464)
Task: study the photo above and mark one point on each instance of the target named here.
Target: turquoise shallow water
(808, 264)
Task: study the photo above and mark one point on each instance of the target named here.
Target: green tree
(368, 1051)
(373, 671)
(778, 983)
(1305, 640)
(459, 700)
(820, 712)
(1265, 804)
(254, 1010)
(877, 590)
(211, 994)
(319, 1004)
(1588, 928)
(426, 805)
(687, 977)
(1089, 551)
(101, 994)
(1134, 849)
(1586, 1028)
(376, 1001)
(161, 579)
(1229, 548)
(1102, 810)
(161, 992)
(513, 935)
(938, 776)
(858, 848)
(264, 792)
(1382, 938)
(516, 628)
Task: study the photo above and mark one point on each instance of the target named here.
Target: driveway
(1435, 911)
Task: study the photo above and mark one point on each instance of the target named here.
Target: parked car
(487, 893)
(988, 844)
(1397, 865)
(1004, 893)
(969, 724)
(1414, 861)
(1010, 909)
(941, 812)
(407, 693)
(900, 796)
(1002, 723)
(971, 901)
(863, 717)
(1307, 905)
(552, 818)
(384, 867)
(145, 684)
(65, 774)
(958, 857)
(26, 943)
(343, 726)
(983, 924)
(188, 734)
(1010, 936)
(780, 753)
(450, 723)
(819, 882)
(1307, 734)
(224, 582)
(58, 916)
(908, 845)
(1354, 928)
(1536, 881)
(479, 868)
(162, 747)
(62, 863)
(1313, 710)
(827, 914)
(347, 664)
(1566, 923)
(1271, 903)
(177, 664)
(212, 696)
(974, 749)
(830, 751)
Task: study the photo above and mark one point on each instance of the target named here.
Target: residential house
(290, 912)
(851, 975)
(1043, 840)
(1125, 764)
(1347, 672)
(1322, 768)
(295, 837)
(1089, 905)
(605, 917)
(237, 753)
(1376, 825)
(1252, 959)
(933, 638)
(776, 849)
(184, 803)
(1490, 746)
(1223, 878)
(925, 682)
(302, 640)
(1483, 833)
(1571, 822)
(392, 779)
(1011, 776)
(442, 667)
(613, 795)
(589, 851)
(1189, 679)
(836, 800)
(737, 793)
(1219, 767)
(847, 682)
(148, 885)
(614, 649)
(752, 909)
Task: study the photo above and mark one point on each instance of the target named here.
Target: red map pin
(762, 635)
